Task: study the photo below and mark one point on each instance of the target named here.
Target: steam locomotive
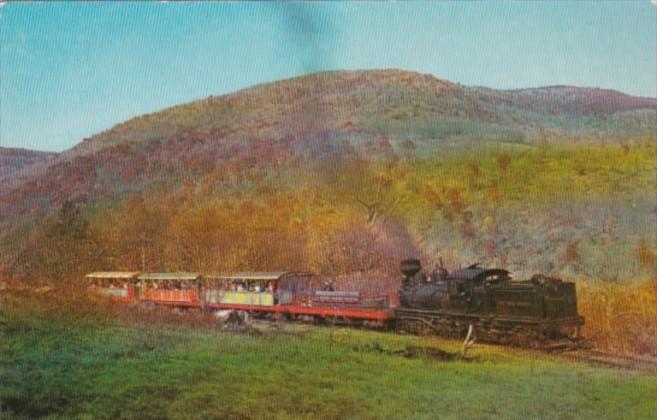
(530, 313)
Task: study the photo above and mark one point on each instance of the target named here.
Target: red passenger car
(173, 289)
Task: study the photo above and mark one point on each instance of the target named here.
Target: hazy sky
(71, 70)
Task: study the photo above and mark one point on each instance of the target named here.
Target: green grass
(83, 370)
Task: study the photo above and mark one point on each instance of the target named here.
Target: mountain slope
(13, 160)
(345, 172)
(390, 102)
(314, 117)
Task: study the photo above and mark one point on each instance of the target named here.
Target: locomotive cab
(469, 288)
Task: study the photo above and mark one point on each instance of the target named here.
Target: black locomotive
(533, 313)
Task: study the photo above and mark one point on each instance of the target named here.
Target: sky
(70, 70)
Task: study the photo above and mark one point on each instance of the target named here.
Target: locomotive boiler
(538, 312)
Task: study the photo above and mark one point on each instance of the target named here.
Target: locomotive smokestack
(410, 267)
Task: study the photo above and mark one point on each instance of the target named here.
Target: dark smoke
(309, 32)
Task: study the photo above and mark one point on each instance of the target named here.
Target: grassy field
(86, 367)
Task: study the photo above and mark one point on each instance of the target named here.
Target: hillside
(13, 160)
(332, 114)
(357, 169)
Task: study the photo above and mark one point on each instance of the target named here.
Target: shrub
(620, 317)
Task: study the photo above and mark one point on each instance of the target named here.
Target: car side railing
(335, 298)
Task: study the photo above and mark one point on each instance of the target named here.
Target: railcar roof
(169, 276)
(113, 275)
(264, 275)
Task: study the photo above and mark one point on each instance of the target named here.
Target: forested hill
(330, 114)
(325, 113)
(427, 154)
(15, 159)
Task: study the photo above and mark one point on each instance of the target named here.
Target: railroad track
(580, 351)
(602, 358)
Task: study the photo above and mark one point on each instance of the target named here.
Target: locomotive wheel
(487, 330)
(426, 328)
(525, 337)
(415, 326)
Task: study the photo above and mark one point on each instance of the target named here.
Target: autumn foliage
(257, 205)
(620, 317)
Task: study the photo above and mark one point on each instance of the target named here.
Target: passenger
(240, 288)
(270, 287)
